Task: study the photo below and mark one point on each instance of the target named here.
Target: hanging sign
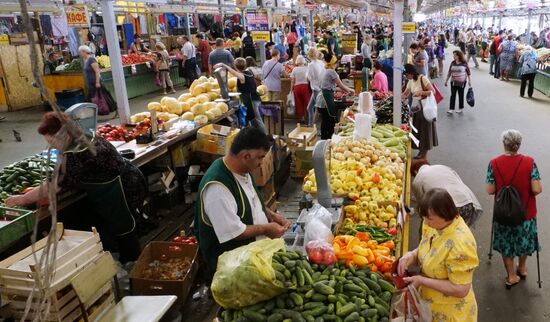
(408, 27)
(4, 39)
(241, 3)
(77, 15)
(258, 23)
(349, 43)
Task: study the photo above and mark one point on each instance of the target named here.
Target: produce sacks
(429, 108)
(245, 276)
(408, 306)
(470, 97)
(99, 100)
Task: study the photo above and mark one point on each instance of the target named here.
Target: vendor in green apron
(114, 188)
(230, 211)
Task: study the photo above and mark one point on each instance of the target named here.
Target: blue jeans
(257, 122)
(311, 108)
(492, 61)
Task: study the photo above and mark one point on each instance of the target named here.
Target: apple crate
(302, 137)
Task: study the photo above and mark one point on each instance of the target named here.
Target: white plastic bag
(363, 126)
(429, 108)
(408, 306)
(290, 106)
(318, 225)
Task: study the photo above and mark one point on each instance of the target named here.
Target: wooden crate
(17, 274)
(301, 137)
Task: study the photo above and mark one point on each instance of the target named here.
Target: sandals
(521, 275)
(509, 284)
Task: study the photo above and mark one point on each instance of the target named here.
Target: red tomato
(329, 259)
(315, 256)
(177, 239)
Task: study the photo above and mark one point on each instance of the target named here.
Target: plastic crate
(19, 223)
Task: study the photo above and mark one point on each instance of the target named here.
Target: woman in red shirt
(204, 50)
(291, 39)
(521, 172)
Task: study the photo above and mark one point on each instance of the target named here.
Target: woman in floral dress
(508, 52)
(447, 256)
(520, 171)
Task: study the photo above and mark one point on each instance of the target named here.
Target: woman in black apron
(115, 189)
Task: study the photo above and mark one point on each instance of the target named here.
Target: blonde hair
(300, 60)
(313, 54)
(160, 46)
(240, 64)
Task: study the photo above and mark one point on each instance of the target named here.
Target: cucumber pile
(316, 293)
(393, 138)
(15, 178)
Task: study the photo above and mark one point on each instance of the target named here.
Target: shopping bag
(157, 80)
(470, 97)
(438, 96)
(244, 276)
(290, 107)
(408, 306)
(99, 100)
(429, 108)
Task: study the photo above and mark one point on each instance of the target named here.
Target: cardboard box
(265, 171)
(157, 250)
(215, 139)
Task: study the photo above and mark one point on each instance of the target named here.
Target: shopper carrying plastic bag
(470, 97)
(244, 276)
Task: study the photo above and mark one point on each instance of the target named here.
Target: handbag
(157, 80)
(408, 306)
(99, 100)
(470, 97)
(437, 93)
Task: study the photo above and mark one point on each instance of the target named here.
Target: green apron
(109, 202)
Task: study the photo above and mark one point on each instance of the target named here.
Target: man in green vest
(230, 211)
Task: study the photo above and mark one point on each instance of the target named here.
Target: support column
(397, 60)
(311, 28)
(529, 16)
(188, 26)
(119, 82)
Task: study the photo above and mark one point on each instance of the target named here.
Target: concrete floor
(467, 143)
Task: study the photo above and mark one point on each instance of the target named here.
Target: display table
(542, 82)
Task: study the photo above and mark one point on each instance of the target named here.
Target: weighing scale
(85, 115)
(231, 99)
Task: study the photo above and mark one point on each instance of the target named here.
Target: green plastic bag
(244, 276)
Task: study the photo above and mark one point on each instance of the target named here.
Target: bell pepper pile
(381, 235)
(362, 251)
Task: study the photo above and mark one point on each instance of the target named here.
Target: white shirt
(188, 50)
(315, 71)
(441, 176)
(299, 74)
(221, 208)
(366, 50)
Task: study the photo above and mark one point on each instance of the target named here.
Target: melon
(192, 101)
(185, 107)
(222, 107)
(197, 90)
(184, 97)
(164, 109)
(163, 100)
(154, 106)
(202, 79)
(207, 86)
(209, 105)
(214, 84)
(203, 98)
(210, 115)
(232, 82)
(216, 111)
(188, 116)
(169, 102)
(198, 109)
(213, 95)
(262, 90)
(201, 119)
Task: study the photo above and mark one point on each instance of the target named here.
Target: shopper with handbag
(521, 172)
(97, 93)
(421, 87)
(300, 87)
(272, 70)
(459, 73)
(447, 257)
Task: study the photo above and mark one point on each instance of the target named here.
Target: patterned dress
(512, 241)
(449, 254)
(507, 55)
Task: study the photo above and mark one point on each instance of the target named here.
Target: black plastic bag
(470, 97)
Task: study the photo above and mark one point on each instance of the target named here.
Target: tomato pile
(131, 59)
(115, 133)
(321, 253)
(185, 240)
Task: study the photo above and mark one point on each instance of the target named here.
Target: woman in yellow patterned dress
(447, 258)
